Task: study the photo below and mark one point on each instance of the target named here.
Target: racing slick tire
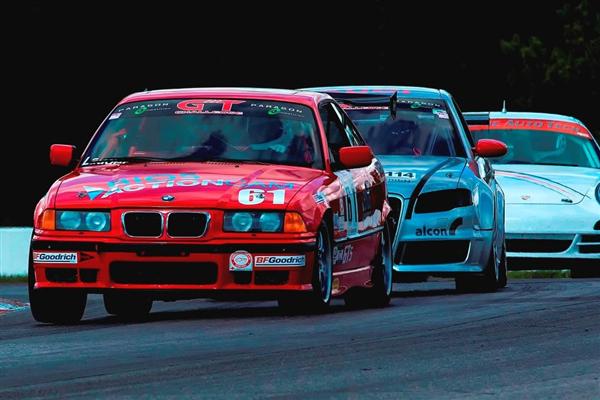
(55, 306)
(490, 281)
(318, 299)
(503, 269)
(382, 278)
(128, 306)
(581, 272)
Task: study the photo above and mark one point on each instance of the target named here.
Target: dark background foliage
(66, 65)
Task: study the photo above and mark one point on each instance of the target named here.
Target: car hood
(546, 184)
(403, 173)
(182, 185)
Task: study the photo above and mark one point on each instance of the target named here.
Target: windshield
(547, 147)
(421, 127)
(197, 130)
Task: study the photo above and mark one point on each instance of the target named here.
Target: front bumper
(557, 236)
(168, 267)
(446, 257)
(445, 243)
(530, 251)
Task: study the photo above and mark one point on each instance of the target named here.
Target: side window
(336, 136)
(463, 123)
(351, 131)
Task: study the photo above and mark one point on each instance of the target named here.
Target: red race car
(213, 193)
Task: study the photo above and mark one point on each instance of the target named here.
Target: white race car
(448, 210)
(551, 177)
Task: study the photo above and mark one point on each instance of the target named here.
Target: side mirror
(356, 157)
(490, 148)
(61, 154)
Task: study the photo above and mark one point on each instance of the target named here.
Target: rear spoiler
(477, 118)
(359, 99)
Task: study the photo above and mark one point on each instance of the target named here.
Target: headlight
(598, 193)
(270, 222)
(443, 200)
(253, 221)
(242, 222)
(96, 221)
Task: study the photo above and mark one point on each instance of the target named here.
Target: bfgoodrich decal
(280, 261)
(54, 258)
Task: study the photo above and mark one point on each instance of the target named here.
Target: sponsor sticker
(342, 255)
(288, 260)
(319, 197)
(54, 258)
(335, 285)
(399, 176)
(240, 260)
(440, 113)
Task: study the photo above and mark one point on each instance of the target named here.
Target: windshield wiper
(558, 164)
(236, 161)
(128, 160)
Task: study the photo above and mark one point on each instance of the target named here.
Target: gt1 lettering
(197, 105)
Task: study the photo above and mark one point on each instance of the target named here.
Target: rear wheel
(55, 306)
(317, 300)
(130, 306)
(380, 294)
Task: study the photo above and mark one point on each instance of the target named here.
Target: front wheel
(581, 272)
(129, 306)
(503, 270)
(55, 306)
(490, 281)
(318, 299)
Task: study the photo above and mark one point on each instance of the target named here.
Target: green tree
(559, 70)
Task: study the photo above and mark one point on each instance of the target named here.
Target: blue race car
(447, 209)
(551, 177)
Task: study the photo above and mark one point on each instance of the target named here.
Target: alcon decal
(436, 232)
(158, 181)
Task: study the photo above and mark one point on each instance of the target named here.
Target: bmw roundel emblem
(168, 197)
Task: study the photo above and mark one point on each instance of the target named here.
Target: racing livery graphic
(447, 209)
(213, 193)
(551, 177)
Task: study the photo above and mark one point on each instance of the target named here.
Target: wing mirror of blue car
(490, 148)
(356, 157)
(62, 155)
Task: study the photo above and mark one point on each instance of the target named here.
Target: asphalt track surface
(537, 339)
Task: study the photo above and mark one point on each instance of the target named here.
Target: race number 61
(252, 197)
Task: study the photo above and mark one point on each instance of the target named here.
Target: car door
(354, 211)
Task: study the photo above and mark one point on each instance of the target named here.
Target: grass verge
(13, 279)
(529, 274)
